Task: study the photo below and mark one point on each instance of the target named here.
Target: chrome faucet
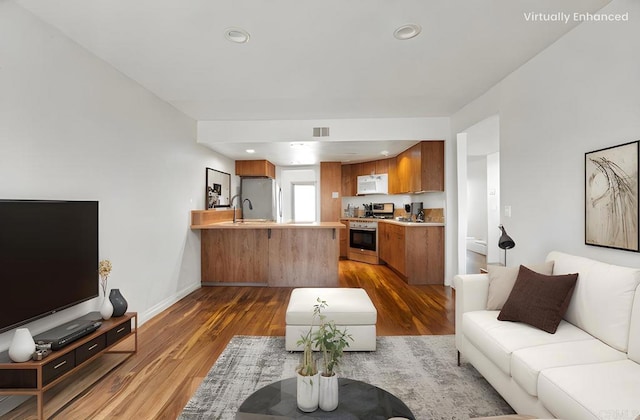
(234, 207)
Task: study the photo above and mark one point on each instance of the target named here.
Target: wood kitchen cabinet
(255, 168)
(416, 252)
(351, 172)
(394, 181)
(235, 256)
(382, 166)
(421, 167)
(349, 187)
(392, 246)
(330, 182)
(344, 239)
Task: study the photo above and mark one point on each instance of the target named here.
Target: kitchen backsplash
(430, 201)
(435, 215)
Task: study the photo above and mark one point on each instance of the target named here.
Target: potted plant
(331, 341)
(308, 385)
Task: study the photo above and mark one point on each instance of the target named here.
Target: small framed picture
(611, 197)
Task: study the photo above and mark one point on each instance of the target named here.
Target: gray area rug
(420, 370)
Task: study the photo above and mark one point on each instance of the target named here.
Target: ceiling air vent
(320, 131)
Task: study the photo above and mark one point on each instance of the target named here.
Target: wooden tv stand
(37, 377)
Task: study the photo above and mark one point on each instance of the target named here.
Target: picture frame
(611, 197)
(217, 189)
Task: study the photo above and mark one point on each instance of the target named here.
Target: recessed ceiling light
(237, 35)
(408, 31)
(250, 151)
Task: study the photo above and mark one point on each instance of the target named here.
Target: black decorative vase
(118, 301)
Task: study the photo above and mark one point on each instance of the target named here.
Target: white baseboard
(161, 306)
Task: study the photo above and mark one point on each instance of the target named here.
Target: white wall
(72, 127)
(493, 207)
(477, 197)
(580, 94)
(354, 129)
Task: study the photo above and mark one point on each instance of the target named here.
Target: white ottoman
(348, 308)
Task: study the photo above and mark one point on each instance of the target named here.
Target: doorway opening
(478, 195)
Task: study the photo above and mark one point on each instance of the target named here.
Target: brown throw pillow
(539, 300)
(502, 279)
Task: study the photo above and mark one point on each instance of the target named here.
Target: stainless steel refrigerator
(265, 196)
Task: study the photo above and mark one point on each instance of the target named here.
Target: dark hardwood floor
(177, 348)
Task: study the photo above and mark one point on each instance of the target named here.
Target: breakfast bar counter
(264, 224)
(265, 253)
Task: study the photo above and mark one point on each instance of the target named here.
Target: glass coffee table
(358, 400)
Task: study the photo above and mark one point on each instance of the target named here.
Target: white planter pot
(328, 400)
(22, 346)
(106, 310)
(308, 392)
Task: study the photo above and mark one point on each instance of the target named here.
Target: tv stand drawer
(116, 334)
(88, 350)
(57, 367)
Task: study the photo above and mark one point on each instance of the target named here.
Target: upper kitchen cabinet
(348, 181)
(351, 172)
(381, 166)
(255, 168)
(394, 181)
(432, 171)
(421, 167)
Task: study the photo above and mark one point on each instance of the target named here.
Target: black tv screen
(48, 258)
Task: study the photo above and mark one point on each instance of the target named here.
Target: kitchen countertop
(394, 222)
(262, 224)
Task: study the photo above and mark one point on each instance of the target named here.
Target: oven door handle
(364, 229)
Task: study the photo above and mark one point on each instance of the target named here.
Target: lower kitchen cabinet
(392, 246)
(344, 239)
(416, 252)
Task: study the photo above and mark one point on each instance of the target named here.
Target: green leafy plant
(331, 341)
(308, 367)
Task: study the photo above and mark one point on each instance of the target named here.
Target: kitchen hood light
(250, 151)
(408, 31)
(298, 145)
(385, 153)
(237, 35)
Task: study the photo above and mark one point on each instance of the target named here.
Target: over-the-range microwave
(373, 184)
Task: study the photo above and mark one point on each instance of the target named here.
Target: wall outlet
(507, 211)
(335, 194)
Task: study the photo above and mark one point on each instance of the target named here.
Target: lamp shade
(505, 241)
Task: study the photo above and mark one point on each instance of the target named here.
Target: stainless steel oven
(363, 241)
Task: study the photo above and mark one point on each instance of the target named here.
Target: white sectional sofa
(588, 369)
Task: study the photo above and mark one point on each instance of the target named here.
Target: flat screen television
(48, 258)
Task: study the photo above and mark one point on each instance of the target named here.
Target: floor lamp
(505, 242)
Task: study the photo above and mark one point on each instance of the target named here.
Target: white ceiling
(329, 59)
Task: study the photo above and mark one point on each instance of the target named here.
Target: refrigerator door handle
(280, 203)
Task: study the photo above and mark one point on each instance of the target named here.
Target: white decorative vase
(308, 392)
(22, 346)
(106, 310)
(328, 400)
